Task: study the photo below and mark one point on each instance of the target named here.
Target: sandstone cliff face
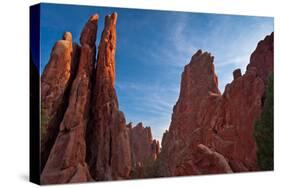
(213, 133)
(66, 162)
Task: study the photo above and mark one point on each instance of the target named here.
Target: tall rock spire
(56, 81)
(108, 140)
(198, 81)
(66, 162)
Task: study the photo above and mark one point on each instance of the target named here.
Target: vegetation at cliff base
(264, 131)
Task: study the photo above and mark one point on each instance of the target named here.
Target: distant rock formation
(210, 132)
(144, 148)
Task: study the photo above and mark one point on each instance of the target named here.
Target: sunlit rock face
(66, 162)
(210, 132)
(108, 141)
(56, 81)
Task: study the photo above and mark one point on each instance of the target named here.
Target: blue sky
(152, 49)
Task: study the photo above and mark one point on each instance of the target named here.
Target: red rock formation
(237, 74)
(55, 83)
(108, 140)
(90, 110)
(143, 147)
(198, 81)
(205, 161)
(223, 123)
(155, 147)
(232, 120)
(227, 128)
(66, 162)
(262, 58)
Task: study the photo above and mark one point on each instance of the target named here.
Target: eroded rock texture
(108, 140)
(262, 58)
(85, 135)
(66, 162)
(143, 147)
(198, 81)
(56, 81)
(210, 132)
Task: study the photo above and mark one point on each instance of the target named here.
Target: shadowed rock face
(213, 133)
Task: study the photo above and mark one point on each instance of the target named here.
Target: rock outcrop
(56, 81)
(143, 147)
(108, 140)
(262, 58)
(84, 135)
(210, 132)
(198, 81)
(66, 162)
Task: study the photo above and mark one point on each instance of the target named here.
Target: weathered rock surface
(108, 140)
(55, 84)
(143, 147)
(224, 124)
(66, 162)
(86, 135)
(89, 32)
(205, 161)
(237, 74)
(262, 58)
(198, 81)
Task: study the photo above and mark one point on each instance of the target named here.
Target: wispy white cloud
(152, 104)
(237, 61)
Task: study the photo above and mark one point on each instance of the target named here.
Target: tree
(264, 130)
